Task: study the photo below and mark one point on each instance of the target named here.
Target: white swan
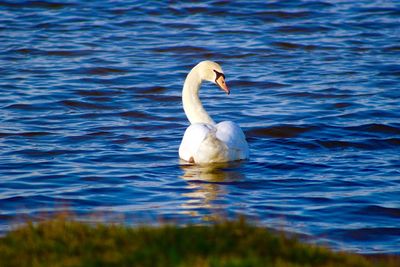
(204, 141)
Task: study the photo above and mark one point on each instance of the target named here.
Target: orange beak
(221, 83)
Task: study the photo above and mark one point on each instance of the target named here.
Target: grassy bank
(61, 242)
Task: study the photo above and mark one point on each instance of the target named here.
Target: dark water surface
(91, 115)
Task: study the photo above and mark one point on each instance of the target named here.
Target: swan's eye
(218, 74)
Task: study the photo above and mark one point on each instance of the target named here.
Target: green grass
(62, 242)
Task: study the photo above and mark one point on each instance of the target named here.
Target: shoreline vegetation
(63, 241)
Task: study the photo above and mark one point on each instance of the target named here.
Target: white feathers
(204, 141)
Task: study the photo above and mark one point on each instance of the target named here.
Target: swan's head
(212, 72)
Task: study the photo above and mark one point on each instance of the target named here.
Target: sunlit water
(91, 116)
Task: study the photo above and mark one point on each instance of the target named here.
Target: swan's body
(204, 141)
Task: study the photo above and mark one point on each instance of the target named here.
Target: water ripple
(92, 116)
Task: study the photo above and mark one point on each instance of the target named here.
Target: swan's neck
(191, 102)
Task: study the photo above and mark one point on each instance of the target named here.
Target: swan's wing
(232, 135)
(192, 139)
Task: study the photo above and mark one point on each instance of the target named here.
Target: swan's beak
(221, 83)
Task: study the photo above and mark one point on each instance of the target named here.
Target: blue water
(91, 115)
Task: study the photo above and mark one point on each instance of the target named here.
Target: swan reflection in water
(208, 185)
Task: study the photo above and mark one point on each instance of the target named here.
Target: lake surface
(91, 114)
